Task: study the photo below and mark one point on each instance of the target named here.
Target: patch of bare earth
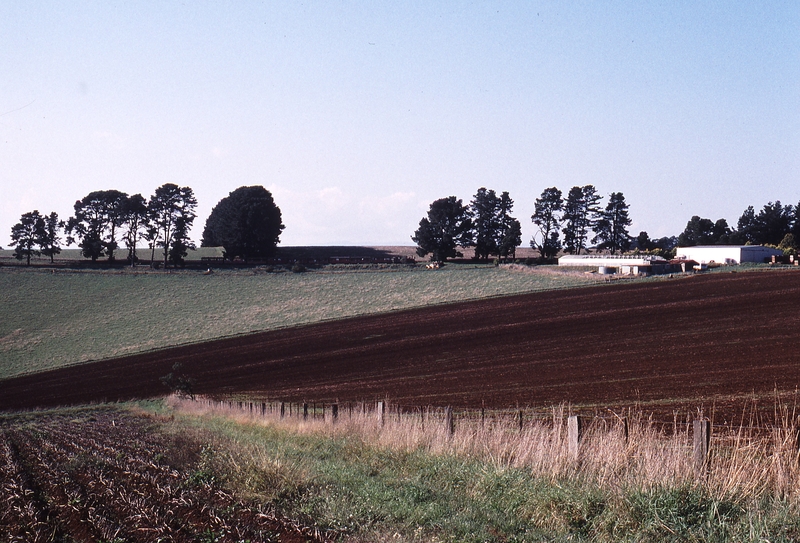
(111, 475)
(683, 342)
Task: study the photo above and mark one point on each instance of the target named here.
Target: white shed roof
(611, 261)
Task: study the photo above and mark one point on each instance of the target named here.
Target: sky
(358, 115)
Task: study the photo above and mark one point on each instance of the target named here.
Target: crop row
(113, 476)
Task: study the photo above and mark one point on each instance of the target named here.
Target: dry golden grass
(745, 464)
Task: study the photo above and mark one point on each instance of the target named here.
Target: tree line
(487, 225)
(570, 224)
(577, 217)
(103, 218)
(246, 223)
(775, 224)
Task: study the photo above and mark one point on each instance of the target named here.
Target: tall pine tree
(510, 234)
(171, 211)
(485, 222)
(50, 240)
(580, 211)
(547, 218)
(26, 235)
(612, 225)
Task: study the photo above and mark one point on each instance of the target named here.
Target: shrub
(180, 384)
(788, 244)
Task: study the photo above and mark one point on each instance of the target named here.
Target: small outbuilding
(727, 254)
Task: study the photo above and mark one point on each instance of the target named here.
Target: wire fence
(696, 436)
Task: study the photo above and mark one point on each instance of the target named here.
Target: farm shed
(727, 254)
(623, 264)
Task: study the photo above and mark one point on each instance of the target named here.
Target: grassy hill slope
(51, 319)
(669, 344)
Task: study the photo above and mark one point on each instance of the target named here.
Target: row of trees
(246, 223)
(769, 226)
(103, 218)
(162, 221)
(36, 234)
(577, 217)
(486, 224)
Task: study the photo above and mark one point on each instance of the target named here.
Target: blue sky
(357, 115)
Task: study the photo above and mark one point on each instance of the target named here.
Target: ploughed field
(106, 474)
(56, 317)
(700, 340)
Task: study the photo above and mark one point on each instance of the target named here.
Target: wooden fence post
(702, 440)
(574, 435)
(797, 431)
(381, 412)
(449, 423)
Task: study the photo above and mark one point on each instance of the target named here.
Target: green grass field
(52, 319)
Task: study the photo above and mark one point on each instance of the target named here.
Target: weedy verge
(400, 480)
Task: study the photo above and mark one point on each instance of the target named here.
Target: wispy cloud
(332, 215)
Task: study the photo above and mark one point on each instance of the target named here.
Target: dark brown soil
(718, 337)
(109, 475)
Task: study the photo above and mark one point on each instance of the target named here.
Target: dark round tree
(446, 228)
(246, 223)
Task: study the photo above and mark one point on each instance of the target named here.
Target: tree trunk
(112, 244)
(166, 245)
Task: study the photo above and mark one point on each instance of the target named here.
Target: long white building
(623, 264)
(726, 254)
